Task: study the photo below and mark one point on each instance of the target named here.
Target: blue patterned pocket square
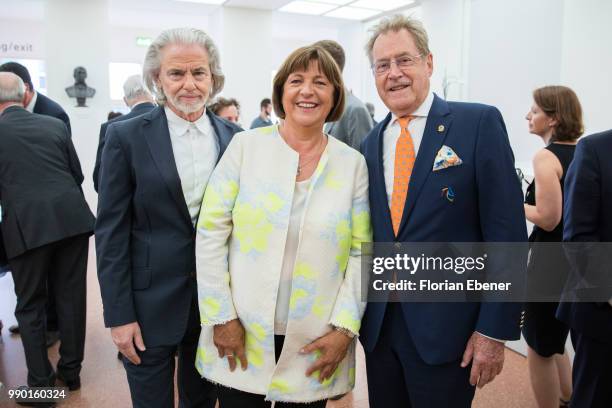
(446, 157)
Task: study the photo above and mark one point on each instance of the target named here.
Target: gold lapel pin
(440, 128)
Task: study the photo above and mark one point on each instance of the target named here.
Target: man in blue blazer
(588, 218)
(139, 100)
(153, 173)
(433, 354)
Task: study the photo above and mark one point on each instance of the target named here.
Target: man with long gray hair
(154, 169)
(138, 98)
(46, 228)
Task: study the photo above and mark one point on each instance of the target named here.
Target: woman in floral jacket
(278, 250)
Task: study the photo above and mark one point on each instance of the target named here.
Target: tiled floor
(104, 382)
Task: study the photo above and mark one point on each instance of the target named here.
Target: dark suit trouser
(51, 311)
(399, 378)
(3, 258)
(65, 263)
(51, 308)
(152, 381)
(592, 372)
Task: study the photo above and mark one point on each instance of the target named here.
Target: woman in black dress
(556, 117)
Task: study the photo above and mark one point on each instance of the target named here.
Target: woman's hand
(229, 340)
(333, 347)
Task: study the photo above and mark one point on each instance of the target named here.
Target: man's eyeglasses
(405, 61)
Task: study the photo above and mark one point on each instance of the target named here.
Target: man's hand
(333, 347)
(229, 340)
(488, 359)
(125, 337)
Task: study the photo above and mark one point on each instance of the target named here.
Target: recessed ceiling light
(352, 13)
(338, 2)
(382, 4)
(213, 2)
(307, 7)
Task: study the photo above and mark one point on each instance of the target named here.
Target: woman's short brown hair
(561, 104)
(299, 60)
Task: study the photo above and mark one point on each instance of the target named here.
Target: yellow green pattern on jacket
(240, 247)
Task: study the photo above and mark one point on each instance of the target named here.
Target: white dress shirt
(30, 107)
(416, 127)
(195, 149)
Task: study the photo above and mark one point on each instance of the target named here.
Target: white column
(245, 43)
(77, 34)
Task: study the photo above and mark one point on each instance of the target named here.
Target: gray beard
(185, 108)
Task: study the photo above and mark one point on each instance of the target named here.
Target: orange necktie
(404, 161)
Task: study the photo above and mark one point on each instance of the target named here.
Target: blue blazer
(138, 110)
(488, 206)
(587, 217)
(47, 106)
(145, 241)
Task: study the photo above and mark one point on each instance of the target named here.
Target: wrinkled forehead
(394, 43)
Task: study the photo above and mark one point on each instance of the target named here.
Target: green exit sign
(143, 41)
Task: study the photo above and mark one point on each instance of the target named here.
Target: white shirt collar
(179, 126)
(30, 107)
(421, 111)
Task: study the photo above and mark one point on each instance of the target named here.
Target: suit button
(193, 274)
(398, 245)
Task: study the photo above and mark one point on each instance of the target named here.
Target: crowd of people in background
(232, 256)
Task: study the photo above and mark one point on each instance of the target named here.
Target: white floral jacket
(240, 245)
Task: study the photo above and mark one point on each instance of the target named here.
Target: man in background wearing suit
(433, 354)
(355, 123)
(38, 103)
(588, 219)
(153, 174)
(139, 100)
(46, 229)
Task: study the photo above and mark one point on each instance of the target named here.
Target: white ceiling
(34, 9)
(257, 4)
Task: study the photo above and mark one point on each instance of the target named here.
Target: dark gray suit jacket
(43, 106)
(145, 240)
(354, 125)
(138, 110)
(40, 182)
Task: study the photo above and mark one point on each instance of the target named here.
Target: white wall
(515, 47)
(85, 43)
(586, 64)
(17, 42)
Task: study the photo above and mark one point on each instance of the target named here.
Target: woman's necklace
(307, 162)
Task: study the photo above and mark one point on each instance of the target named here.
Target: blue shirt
(259, 122)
